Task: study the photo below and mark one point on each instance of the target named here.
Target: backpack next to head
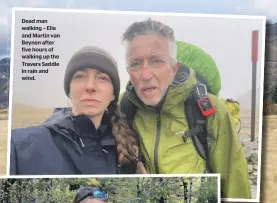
(207, 76)
(204, 65)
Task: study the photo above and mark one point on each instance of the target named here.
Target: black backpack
(196, 121)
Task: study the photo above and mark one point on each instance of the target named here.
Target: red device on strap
(205, 104)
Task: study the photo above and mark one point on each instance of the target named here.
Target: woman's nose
(91, 84)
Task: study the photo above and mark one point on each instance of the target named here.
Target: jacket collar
(63, 119)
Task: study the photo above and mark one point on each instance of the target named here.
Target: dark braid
(127, 147)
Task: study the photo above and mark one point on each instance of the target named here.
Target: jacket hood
(61, 118)
(178, 91)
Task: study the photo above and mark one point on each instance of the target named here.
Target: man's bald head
(92, 200)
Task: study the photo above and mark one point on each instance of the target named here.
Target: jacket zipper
(158, 134)
(78, 147)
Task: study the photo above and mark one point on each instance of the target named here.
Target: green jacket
(165, 152)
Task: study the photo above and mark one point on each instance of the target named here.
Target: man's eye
(156, 60)
(134, 64)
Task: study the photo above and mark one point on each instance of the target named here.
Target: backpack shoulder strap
(198, 130)
(128, 109)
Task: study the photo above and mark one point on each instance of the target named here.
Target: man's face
(149, 65)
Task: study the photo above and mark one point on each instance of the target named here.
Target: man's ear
(129, 82)
(177, 66)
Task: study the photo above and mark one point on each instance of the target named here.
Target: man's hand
(140, 168)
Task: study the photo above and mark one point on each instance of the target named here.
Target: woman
(90, 137)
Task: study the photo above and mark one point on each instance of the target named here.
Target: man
(158, 89)
(90, 195)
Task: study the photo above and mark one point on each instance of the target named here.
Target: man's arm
(227, 154)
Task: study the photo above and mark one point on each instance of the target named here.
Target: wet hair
(127, 146)
(150, 26)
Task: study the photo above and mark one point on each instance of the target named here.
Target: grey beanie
(92, 57)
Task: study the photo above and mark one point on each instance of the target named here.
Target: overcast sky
(227, 40)
(246, 7)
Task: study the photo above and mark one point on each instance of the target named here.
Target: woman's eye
(104, 78)
(79, 76)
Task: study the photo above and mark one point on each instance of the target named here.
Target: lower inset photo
(188, 189)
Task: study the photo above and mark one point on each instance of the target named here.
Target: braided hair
(127, 146)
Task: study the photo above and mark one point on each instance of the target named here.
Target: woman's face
(91, 92)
